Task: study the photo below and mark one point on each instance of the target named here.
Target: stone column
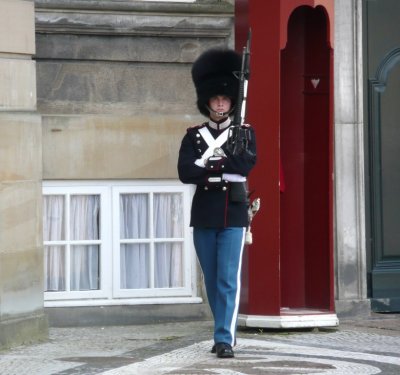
(21, 251)
(351, 292)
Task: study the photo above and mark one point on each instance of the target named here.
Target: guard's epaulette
(194, 127)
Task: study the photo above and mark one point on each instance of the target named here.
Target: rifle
(238, 137)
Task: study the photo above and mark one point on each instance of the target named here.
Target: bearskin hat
(213, 74)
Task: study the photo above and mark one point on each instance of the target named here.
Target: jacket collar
(219, 125)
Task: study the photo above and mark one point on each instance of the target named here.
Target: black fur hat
(213, 74)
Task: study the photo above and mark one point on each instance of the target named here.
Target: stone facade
(119, 76)
(21, 250)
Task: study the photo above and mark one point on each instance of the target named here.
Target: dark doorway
(382, 62)
(306, 157)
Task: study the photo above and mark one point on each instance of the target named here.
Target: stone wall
(21, 251)
(114, 84)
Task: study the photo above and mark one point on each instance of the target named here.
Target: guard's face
(219, 104)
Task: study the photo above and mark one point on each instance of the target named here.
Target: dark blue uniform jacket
(212, 206)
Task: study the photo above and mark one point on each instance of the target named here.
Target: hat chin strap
(220, 114)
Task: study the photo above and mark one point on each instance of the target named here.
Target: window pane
(85, 267)
(135, 261)
(168, 265)
(84, 217)
(54, 268)
(168, 215)
(53, 217)
(134, 216)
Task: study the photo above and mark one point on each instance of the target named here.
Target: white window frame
(104, 243)
(185, 290)
(110, 292)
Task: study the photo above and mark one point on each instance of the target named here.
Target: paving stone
(371, 346)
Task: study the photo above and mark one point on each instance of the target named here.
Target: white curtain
(168, 223)
(53, 230)
(135, 267)
(84, 225)
(135, 258)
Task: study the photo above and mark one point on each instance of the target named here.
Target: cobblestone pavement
(369, 346)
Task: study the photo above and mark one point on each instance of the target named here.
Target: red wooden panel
(290, 263)
(261, 286)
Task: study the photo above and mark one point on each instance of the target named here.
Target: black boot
(224, 350)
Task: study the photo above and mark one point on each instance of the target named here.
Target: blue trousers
(220, 255)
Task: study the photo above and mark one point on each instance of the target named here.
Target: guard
(219, 214)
